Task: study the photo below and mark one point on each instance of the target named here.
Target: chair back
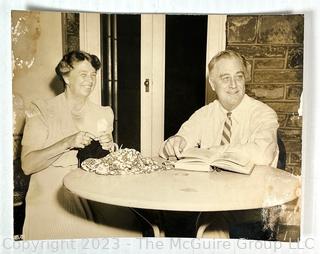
(282, 153)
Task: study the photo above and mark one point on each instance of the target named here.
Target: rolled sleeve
(192, 128)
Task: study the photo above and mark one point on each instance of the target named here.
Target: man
(234, 123)
(252, 125)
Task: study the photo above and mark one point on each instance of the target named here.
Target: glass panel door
(121, 76)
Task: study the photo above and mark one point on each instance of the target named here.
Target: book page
(234, 158)
(203, 154)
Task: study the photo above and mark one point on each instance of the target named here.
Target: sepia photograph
(157, 125)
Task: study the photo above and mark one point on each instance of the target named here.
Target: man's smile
(233, 92)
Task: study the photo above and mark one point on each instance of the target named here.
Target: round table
(179, 190)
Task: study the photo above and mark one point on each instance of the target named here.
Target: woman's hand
(80, 139)
(37, 160)
(106, 141)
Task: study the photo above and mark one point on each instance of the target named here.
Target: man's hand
(173, 146)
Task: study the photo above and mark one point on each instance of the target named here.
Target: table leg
(167, 223)
(212, 228)
(149, 221)
(179, 224)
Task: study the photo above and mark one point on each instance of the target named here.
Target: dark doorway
(121, 75)
(185, 69)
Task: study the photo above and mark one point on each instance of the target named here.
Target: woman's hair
(68, 60)
(231, 54)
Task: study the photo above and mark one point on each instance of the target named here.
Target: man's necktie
(226, 133)
(226, 136)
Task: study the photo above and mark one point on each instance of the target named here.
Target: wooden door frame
(89, 35)
(216, 42)
(153, 68)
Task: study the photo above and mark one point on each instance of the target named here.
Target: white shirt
(253, 131)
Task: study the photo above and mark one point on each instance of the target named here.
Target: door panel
(185, 68)
(128, 36)
(152, 83)
(121, 75)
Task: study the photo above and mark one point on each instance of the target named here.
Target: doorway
(154, 73)
(185, 68)
(121, 43)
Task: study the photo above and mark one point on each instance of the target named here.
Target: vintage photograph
(157, 125)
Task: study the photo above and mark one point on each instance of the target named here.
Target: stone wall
(70, 32)
(274, 47)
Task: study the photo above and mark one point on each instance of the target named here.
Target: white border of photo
(310, 224)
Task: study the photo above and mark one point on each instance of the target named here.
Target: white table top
(180, 190)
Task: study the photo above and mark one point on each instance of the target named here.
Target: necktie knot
(229, 114)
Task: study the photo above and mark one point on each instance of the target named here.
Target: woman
(55, 129)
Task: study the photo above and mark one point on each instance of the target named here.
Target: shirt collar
(239, 111)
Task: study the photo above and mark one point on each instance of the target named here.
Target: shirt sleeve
(110, 118)
(192, 128)
(105, 122)
(35, 131)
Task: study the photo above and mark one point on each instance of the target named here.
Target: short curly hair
(67, 62)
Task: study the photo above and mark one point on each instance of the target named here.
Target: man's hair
(67, 62)
(230, 54)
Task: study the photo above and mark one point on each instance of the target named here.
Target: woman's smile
(87, 86)
(82, 79)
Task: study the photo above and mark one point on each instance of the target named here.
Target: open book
(198, 159)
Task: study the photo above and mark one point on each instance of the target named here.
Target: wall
(36, 50)
(274, 47)
(38, 44)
